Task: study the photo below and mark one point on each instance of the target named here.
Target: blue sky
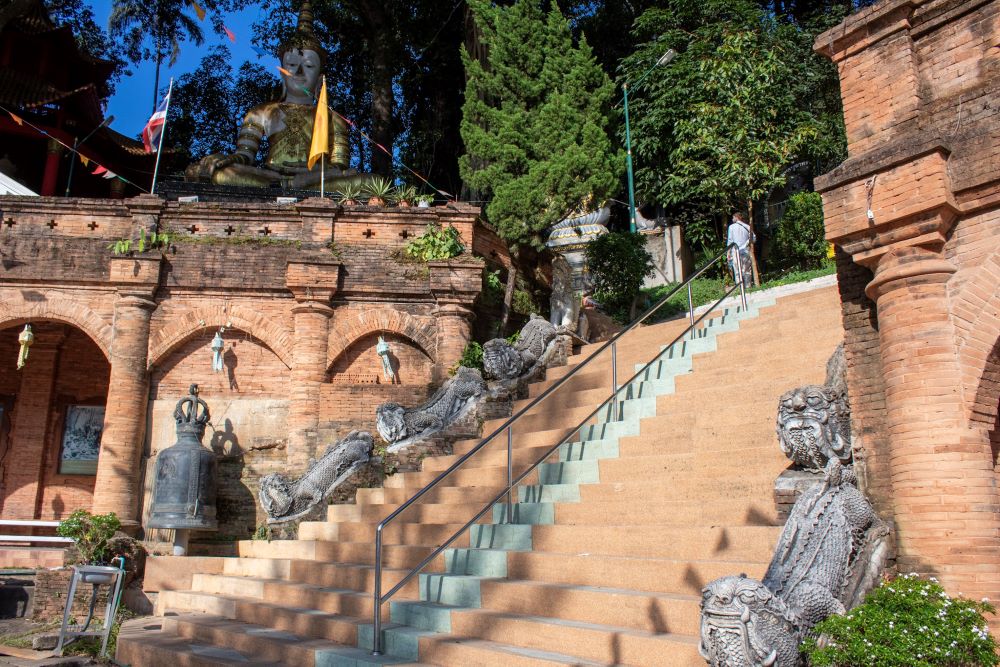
(133, 99)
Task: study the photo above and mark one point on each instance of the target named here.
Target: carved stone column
(945, 499)
(312, 285)
(455, 286)
(116, 488)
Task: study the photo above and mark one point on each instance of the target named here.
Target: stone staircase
(609, 544)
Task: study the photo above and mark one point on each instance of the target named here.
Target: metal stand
(96, 576)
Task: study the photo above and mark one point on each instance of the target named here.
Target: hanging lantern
(217, 345)
(26, 339)
(382, 348)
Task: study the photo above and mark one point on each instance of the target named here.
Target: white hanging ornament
(217, 346)
(26, 339)
(382, 348)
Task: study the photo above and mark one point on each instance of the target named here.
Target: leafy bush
(618, 262)
(523, 302)
(799, 240)
(906, 622)
(436, 244)
(472, 356)
(91, 533)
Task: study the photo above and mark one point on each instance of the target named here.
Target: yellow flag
(85, 161)
(321, 129)
(198, 10)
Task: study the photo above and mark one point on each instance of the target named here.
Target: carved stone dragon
(401, 426)
(830, 554)
(286, 500)
(531, 352)
(814, 421)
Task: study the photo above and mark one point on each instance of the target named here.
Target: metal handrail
(378, 598)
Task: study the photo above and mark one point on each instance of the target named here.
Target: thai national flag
(154, 128)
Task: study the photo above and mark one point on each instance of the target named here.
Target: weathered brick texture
(303, 292)
(920, 83)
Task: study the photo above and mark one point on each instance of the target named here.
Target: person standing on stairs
(740, 234)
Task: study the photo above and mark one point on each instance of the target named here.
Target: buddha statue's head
(302, 57)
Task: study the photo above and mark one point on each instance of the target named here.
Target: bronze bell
(185, 480)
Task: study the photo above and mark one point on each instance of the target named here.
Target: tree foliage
(617, 264)
(209, 103)
(535, 121)
(744, 98)
(800, 239)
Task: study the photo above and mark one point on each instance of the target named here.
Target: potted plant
(424, 201)
(405, 196)
(349, 194)
(91, 534)
(379, 189)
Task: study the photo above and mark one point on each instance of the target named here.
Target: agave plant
(350, 193)
(379, 190)
(404, 196)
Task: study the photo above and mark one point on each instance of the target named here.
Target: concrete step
(262, 642)
(142, 642)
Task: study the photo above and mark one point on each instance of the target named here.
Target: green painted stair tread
(496, 654)
(356, 657)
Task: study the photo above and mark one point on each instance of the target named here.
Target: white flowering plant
(906, 622)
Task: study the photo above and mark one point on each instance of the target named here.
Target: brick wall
(919, 83)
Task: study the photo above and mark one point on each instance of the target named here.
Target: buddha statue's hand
(204, 169)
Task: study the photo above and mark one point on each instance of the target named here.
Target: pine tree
(535, 121)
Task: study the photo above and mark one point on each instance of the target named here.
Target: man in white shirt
(740, 234)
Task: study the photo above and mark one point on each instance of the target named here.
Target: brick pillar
(454, 329)
(116, 488)
(312, 331)
(29, 430)
(945, 500)
(312, 284)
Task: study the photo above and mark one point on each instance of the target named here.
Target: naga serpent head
(814, 426)
(390, 422)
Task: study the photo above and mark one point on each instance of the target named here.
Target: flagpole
(163, 131)
(322, 175)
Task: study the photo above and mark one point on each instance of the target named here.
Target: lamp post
(663, 60)
(77, 144)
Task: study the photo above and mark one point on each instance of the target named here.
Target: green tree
(617, 264)
(154, 29)
(535, 121)
(800, 241)
(209, 103)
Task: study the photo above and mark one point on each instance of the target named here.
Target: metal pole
(72, 163)
(614, 368)
(377, 596)
(739, 270)
(691, 312)
(510, 474)
(163, 132)
(628, 164)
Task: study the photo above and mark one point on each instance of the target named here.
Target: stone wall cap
(903, 150)
(858, 27)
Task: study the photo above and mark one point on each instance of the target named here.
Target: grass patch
(710, 290)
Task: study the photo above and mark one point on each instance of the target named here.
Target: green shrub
(472, 356)
(91, 533)
(618, 262)
(523, 302)
(436, 244)
(906, 622)
(799, 240)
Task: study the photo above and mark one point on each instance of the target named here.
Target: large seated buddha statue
(288, 124)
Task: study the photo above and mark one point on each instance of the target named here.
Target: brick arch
(976, 313)
(351, 330)
(180, 329)
(59, 309)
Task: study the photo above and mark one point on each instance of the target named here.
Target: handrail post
(377, 596)
(510, 475)
(691, 312)
(739, 271)
(614, 368)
